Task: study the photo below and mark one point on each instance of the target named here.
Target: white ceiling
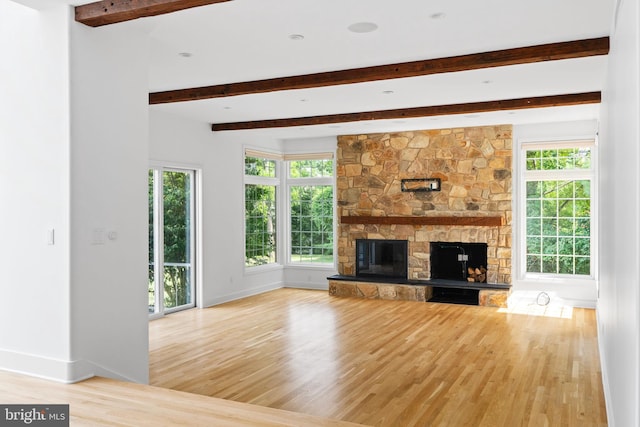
(244, 40)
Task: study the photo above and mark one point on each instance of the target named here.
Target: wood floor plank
(386, 363)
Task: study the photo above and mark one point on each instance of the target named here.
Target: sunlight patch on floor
(534, 305)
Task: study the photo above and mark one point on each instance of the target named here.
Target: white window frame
(283, 206)
(571, 174)
(316, 181)
(263, 180)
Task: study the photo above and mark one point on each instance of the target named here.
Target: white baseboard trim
(243, 294)
(84, 369)
(311, 286)
(63, 371)
(604, 371)
(36, 366)
(319, 286)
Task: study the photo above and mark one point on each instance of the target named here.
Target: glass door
(171, 240)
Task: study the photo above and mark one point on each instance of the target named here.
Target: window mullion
(558, 175)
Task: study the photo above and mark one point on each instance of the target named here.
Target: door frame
(195, 231)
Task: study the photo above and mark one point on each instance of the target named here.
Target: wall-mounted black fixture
(420, 184)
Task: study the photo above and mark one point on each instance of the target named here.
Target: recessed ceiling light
(487, 82)
(304, 100)
(363, 27)
(387, 92)
(511, 113)
(227, 108)
(437, 15)
(296, 37)
(186, 54)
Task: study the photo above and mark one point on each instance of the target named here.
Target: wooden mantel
(486, 221)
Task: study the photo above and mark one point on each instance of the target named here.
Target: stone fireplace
(472, 206)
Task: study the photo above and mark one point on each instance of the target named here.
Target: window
(302, 218)
(310, 183)
(260, 201)
(558, 208)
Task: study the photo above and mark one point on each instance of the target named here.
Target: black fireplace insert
(381, 258)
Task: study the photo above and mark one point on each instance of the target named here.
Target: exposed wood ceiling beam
(406, 113)
(475, 61)
(112, 11)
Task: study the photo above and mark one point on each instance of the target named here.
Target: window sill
(328, 267)
(557, 279)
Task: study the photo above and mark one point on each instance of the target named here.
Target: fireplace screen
(381, 258)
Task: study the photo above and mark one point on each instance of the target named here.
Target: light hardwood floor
(386, 363)
(105, 402)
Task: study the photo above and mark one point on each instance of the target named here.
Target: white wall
(574, 292)
(182, 142)
(73, 133)
(618, 303)
(109, 238)
(34, 189)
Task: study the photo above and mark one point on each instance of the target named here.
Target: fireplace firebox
(382, 258)
(459, 261)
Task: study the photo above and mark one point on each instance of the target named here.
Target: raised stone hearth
(495, 296)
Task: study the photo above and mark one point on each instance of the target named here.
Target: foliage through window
(260, 201)
(255, 166)
(260, 227)
(311, 211)
(171, 263)
(311, 168)
(558, 210)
